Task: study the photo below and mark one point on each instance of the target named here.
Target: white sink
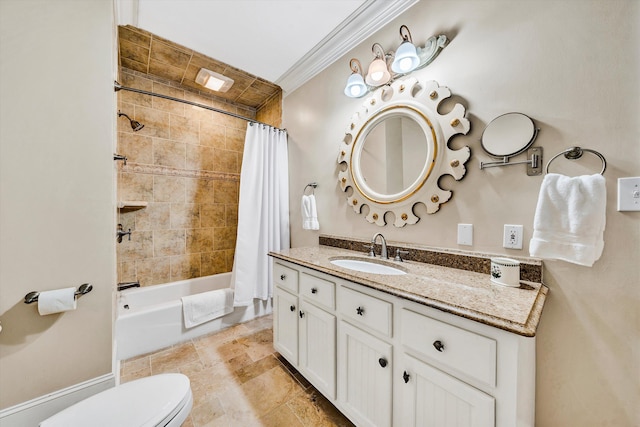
(366, 266)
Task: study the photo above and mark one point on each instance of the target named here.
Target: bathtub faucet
(126, 285)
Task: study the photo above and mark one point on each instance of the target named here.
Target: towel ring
(313, 186)
(575, 153)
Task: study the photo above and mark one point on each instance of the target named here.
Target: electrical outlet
(465, 234)
(512, 238)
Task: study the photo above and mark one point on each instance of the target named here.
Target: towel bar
(83, 289)
(574, 153)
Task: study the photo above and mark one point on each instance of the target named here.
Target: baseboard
(32, 412)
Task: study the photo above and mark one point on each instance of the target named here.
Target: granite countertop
(464, 293)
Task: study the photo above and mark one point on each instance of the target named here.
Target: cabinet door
(285, 324)
(431, 398)
(365, 376)
(318, 348)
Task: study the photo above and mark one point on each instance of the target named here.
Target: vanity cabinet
(388, 361)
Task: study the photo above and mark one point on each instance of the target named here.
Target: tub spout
(126, 285)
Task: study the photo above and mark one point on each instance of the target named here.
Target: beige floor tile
(280, 417)
(171, 359)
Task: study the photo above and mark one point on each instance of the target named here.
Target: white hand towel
(206, 306)
(570, 219)
(57, 301)
(309, 213)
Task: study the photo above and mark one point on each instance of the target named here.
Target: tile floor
(238, 379)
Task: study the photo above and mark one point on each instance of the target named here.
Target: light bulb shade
(406, 58)
(355, 86)
(378, 73)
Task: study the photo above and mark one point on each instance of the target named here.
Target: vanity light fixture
(378, 70)
(355, 85)
(406, 59)
(214, 81)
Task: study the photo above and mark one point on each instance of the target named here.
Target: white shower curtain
(263, 212)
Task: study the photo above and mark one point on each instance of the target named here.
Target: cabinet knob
(382, 361)
(292, 308)
(360, 311)
(314, 290)
(438, 345)
(405, 377)
(301, 314)
(283, 276)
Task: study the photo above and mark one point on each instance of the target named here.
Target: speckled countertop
(463, 293)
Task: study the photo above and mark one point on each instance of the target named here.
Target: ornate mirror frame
(418, 101)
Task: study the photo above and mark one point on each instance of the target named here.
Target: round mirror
(508, 135)
(395, 149)
(395, 154)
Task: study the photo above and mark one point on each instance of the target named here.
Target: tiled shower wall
(185, 163)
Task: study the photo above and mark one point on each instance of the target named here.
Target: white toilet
(157, 401)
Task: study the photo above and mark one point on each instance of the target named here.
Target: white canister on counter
(505, 272)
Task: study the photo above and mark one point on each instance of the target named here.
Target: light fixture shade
(406, 58)
(355, 86)
(378, 73)
(214, 81)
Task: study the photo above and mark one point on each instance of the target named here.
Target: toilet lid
(147, 402)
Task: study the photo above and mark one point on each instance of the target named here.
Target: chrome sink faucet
(383, 250)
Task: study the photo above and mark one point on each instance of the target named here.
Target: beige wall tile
(212, 134)
(185, 215)
(226, 192)
(156, 216)
(153, 271)
(213, 215)
(169, 54)
(169, 153)
(140, 246)
(127, 271)
(137, 37)
(156, 122)
(200, 157)
(231, 215)
(137, 148)
(165, 71)
(214, 263)
(134, 65)
(168, 242)
(229, 256)
(226, 161)
(129, 80)
(133, 51)
(127, 219)
(185, 267)
(135, 186)
(172, 107)
(235, 139)
(185, 129)
(224, 238)
(200, 190)
(168, 189)
(199, 240)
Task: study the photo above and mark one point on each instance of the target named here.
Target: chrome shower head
(135, 125)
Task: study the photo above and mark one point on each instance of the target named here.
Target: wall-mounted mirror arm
(534, 162)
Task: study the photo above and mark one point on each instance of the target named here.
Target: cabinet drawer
(370, 312)
(463, 351)
(285, 277)
(318, 290)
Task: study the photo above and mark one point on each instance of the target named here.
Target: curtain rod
(118, 87)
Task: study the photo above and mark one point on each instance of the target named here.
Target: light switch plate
(628, 194)
(465, 234)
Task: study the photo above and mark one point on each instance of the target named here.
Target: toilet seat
(156, 401)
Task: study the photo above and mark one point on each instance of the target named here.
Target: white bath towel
(205, 306)
(570, 218)
(309, 213)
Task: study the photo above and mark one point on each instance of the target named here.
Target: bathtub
(150, 318)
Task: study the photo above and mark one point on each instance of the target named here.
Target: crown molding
(365, 21)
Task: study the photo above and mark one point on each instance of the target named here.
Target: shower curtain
(263, 212)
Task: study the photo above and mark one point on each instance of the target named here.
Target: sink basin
(366, 266)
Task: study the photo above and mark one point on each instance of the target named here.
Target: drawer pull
(405, 377)
(360, 311)
(314, 290)
(283, 276)
(292, 308)
(438, 346)
(301, 314)
(382, 361)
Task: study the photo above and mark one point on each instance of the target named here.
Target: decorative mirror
(395, 150)
(507, 136)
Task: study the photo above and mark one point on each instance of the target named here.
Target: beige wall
(57, 212)
(573, 67)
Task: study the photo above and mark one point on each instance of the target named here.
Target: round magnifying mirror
(508, 135)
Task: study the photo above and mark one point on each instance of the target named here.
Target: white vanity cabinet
(388, 361)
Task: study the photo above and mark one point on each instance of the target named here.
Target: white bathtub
(150, 318)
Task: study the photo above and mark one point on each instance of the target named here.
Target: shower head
(135, 125)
